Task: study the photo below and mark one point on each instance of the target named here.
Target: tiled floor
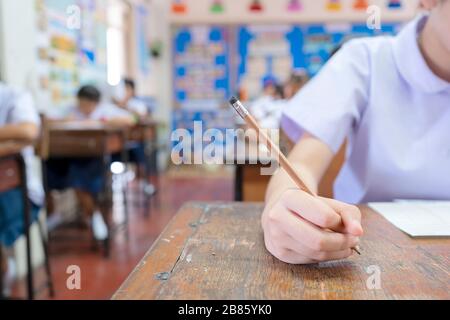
(101, 277)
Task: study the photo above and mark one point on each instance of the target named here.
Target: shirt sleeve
(331, 105)
(111, 111)
(137, 106)
(23, 109)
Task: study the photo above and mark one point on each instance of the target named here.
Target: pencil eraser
(233, 100)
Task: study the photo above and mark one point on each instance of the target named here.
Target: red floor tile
(101, 277)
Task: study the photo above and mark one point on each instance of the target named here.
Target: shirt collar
(411, 63)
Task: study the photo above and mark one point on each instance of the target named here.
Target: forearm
(11, 147)
(26, 132)
(281, 182)
(310, 158)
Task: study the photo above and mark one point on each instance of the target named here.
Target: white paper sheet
(417, 218)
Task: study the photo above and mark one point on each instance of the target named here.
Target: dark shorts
(12, 216)
(136, 154)
(81, 174)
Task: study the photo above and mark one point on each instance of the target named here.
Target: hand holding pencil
(301, 227)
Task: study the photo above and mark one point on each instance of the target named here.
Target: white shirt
(17, 107)
(138, 106)
(104, 111)
(381, 95)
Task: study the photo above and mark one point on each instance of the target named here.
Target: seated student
(269, 112)
(85, 175)
(130, 102)
(389, 97)
(137, 155)
(297, 80)
(19, 128)
(267, 108)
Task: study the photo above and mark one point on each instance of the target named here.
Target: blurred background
(183, 59)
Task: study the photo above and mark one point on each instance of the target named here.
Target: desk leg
(27, 225)
(125, 161)
(2, 271)
(106, 203)
(238, 181)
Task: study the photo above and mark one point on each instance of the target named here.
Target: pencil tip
(233, 100)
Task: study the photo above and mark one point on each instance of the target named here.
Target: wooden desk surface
(216, 251)
(144, 131)
(69, 140)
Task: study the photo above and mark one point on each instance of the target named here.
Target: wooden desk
(250, 183)
(216, 251)
(144, 131)
(67, 140)
(72, 140)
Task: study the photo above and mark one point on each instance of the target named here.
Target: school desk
(72, 140)
(216, 251)
(251, 185)
(146, 132)
(69, 140)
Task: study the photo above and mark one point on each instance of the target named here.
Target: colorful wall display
(294, 5)
(68, 57)
(217, 6)
(143, 49)
(256, 6)
(201, 67)
(201, 77)
(179, 7)
(274, 51)
(265, 51)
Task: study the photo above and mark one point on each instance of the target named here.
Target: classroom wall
(198, 12)
(17, 68)
(17, 42)
(276, 11)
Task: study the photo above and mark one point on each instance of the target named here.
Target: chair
(14, 169)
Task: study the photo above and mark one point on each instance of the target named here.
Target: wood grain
(9, 174)
(84, 142)
(216, 251)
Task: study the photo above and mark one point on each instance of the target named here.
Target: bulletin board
(69, 57)
(201, 67)
(239, 43)
(277, 50)
(201, 76)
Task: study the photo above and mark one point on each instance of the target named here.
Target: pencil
(273, 148)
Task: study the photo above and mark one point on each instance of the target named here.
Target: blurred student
(297, 80)
(267, 108)
(129, 100)
(269, 113)
(85, 175)
(19, 128)
(389, 97)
